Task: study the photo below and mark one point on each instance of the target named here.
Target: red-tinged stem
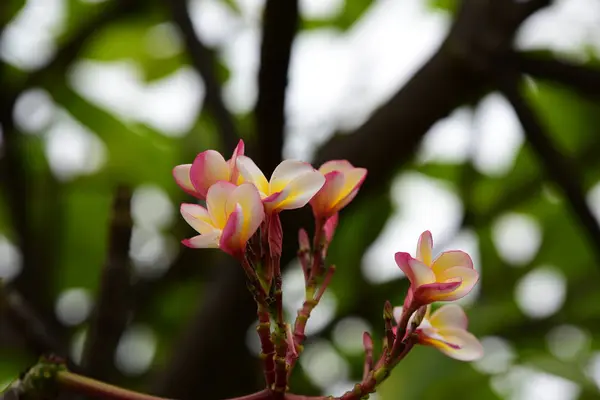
(267, 348)
(399, 343)
(325, 283)
(262, 395)
(304, 258)
(281, 376)
(291, 396)
(390, 337)
(368, 367)
(311, 300)
(377, 376)
(91, 387)
(257, 290)
(317, 258)
(299, 328)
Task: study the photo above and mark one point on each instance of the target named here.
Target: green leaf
(352, 12)
(444, 5)
(573, 127)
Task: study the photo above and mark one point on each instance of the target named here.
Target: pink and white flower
(208, 168)
(446, 330)
(449, 277)
(232, 215)
(342, 181)
(292, 185)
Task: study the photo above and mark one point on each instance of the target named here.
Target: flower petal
(198, 218)
(247, 197)
(438, 291)
(464, 345)
(208, 168)
(286, 172)
(298, 192)
(424, 248)
(467, 276)
(330, 227)
(216, 201)
(335, 165)
(206, 241)
(449, 259)
(231, 238)
(417, 272)
(251, 173)
(326, 198)
(235, 176)
(181, 173)
(449, 316)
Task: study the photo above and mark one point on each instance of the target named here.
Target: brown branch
(582, 78)
(204, 61)
(113, 306)
(180, 379)
(280, 22)
(200, 367)
(558, 166)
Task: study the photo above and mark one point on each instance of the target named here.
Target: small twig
(558, 166)
(91, 387)
(113, 306)
(204, 62)
(584, 79)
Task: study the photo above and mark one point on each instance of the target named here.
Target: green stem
(91, 387)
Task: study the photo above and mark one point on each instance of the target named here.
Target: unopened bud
(367, 341)
(388, 311)
(417, 318)
(330, 227)
(303, 240)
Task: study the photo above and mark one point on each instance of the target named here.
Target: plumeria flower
(446, 330)
(342, 182)
(449, 277)
(293, 183)
(208, 168)
(232, 216)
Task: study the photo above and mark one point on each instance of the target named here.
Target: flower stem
(279, 336)
(267, 348)
(91, 387)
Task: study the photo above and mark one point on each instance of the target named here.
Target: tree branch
(114, 301)
(203, 60)
(198, 367)
(584, 79)
(558, 167)
(280, 22)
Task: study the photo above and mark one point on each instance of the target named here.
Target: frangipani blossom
(208, 168)
(342, 181)
(446, 330)
(449, 277)
(232, 216)
(292, 185)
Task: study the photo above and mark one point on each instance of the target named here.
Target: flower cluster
(449, 277)
(240, 215)
(239, 198)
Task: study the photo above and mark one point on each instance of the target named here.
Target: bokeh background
(100, 99)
